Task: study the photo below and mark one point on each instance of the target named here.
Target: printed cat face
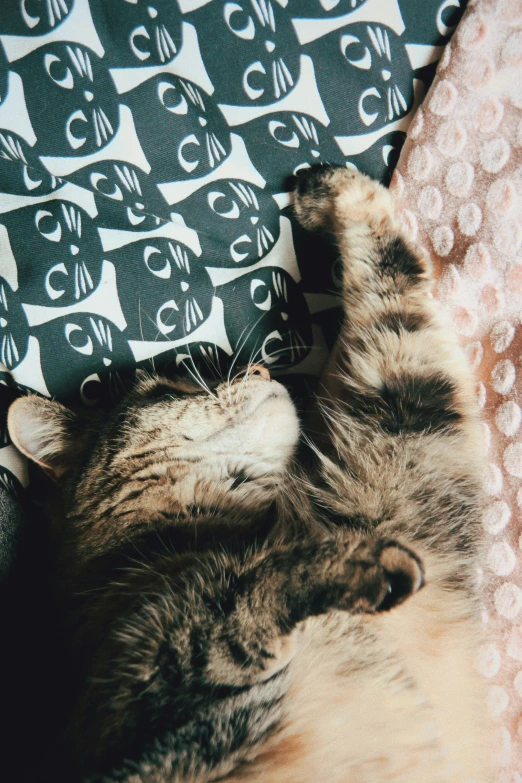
(70, 97)
(259, 40)
(436, 23)
(168, 294)
(380, 159)
(284, 142)
(144, 32)
(89, 345)
(58, 252)
(194, 138)
(371, 59)
(20, 169)
(125, 197)
(14, 330)
(241, 222)
(271, 295)
(32, 17)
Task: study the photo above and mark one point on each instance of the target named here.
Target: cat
(245, 614)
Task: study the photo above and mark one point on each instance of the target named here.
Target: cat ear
(44, 431)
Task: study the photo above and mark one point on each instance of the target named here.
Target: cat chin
(270, 420)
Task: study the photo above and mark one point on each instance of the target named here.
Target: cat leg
(253, 640)
(401, 368)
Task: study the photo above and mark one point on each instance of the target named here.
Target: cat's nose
(270, 46)
(88, 95)
(256, 369)
(385, 74)
(254, 220)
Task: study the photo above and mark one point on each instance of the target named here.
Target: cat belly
(407, 716)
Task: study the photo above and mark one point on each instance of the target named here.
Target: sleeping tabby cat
(237, 613)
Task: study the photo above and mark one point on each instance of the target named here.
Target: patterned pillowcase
(144, 153)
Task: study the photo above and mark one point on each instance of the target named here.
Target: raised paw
(381, 573)
(326, 197)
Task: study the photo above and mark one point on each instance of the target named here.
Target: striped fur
(232, 599)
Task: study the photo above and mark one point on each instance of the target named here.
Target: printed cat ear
(44, 431)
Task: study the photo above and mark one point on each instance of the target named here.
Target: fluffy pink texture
(459, 188)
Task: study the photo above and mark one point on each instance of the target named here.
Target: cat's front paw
(326, 197)
(381, 573)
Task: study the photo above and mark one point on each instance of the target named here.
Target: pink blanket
(459, 188)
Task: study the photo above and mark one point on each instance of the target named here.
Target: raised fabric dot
(444, 98)
(442, 240)
(507, 418)
(510, 10)
(501, 559)
(420, 162)
(488, 660)
(466, 321)
(512, 50)
(459, 178)
(508, 600)
(472, 31)
(493, 480)
(502, 336)
(397, 184)
(409, 224)
(503, 376)
(508, 237)
(496, 516)
(449, 284)
(492, 298)
(451, 138)
(489, 115)
(477, 260)
(470, 218)
(494, 155)
(430, 202)
(479, 72)
(417, 125)
(501, 198)
(475, 353)
(514, 277)
(498, 701)
(513, 459)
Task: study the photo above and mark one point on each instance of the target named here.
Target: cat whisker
(196, 375)
(239, 347)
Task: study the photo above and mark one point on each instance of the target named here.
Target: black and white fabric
(144, 150)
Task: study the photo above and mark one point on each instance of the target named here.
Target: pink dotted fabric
(459, 189)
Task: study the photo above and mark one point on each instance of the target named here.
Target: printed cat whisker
(164, 43)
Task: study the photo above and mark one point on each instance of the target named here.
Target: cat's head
(169, 453)
(71, 99)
